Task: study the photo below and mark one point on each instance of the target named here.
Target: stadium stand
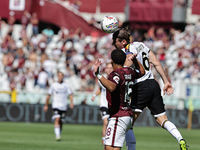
(24, 56)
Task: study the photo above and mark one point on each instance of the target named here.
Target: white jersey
(103, 100)
(60, 92)
(142, 56)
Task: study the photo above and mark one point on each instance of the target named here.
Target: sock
(171, 128)
(57, 130)
(103, 142)
(130, 140)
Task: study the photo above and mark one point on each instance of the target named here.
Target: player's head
(60, 77)
(121, 38)
(118, 57)
(109, 68)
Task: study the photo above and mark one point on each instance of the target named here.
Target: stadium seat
(78, 47)
(51, 45)
(88, 39)
(61, 65)
(5, 97)
(172, 48)
(55, 38)
(30, 85)
(59, 44)
(68, 45)
(21, 97)
(19, 43)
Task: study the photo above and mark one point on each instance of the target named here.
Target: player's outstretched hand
(96, 66)
(168, 88)
(132, 56)
(71, 105)
(93, 98)
(45, 108)
(129, 59)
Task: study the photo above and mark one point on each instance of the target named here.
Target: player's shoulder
(139, 46)
(65, 84)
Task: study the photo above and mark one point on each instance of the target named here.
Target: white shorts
(116, 130)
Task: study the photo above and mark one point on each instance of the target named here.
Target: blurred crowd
(31, 59)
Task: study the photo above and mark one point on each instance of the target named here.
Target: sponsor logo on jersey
(127, 76)
(139, 48)
(116, 79)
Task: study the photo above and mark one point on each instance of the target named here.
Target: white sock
(104, 141)
(130, 140)
(171, 128)
(57, 131)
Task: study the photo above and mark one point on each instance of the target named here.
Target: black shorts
(148, 94)
(58, 114)
(104, 112)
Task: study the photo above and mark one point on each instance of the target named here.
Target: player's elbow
(142, 72)
(111, 88)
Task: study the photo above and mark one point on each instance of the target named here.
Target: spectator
(35, 22)
(76, 4)
(56, 54)
(25, 19)
(42, 81)
(49, 66)
(63, 33)
(11, 21)
(1, 23)
(48, 33)
(34, 41)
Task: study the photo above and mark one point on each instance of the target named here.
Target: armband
(94, 95)
(138, 71)
(99, 76)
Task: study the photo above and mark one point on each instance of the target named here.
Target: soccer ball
(109, 24)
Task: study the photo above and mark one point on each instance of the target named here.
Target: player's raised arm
(109, 85)
(167, 86)
(96, 93)
(138, 65)
(71, 97)
(46, 103)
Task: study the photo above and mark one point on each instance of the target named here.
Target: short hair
(118, 57)
(61, 73)
(123, 33)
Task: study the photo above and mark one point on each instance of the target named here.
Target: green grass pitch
(40, 136)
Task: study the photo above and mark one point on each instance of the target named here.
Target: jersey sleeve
(50, 90)
(114, 77)
(69, 90)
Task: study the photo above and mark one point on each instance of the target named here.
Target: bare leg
(112, 148)
(105, 124)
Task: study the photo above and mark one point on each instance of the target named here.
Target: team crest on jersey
(116, 79)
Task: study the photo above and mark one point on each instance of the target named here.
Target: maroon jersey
(119, 100)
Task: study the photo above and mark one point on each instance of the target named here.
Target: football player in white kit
(146, 91)
(60, 92)
(103, 101)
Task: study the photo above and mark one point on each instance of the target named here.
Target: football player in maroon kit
(118, 91)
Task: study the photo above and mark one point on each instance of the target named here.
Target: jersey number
(128, 92)
(145, 61)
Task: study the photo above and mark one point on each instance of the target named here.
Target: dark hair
(123, 33)
(118, 57)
